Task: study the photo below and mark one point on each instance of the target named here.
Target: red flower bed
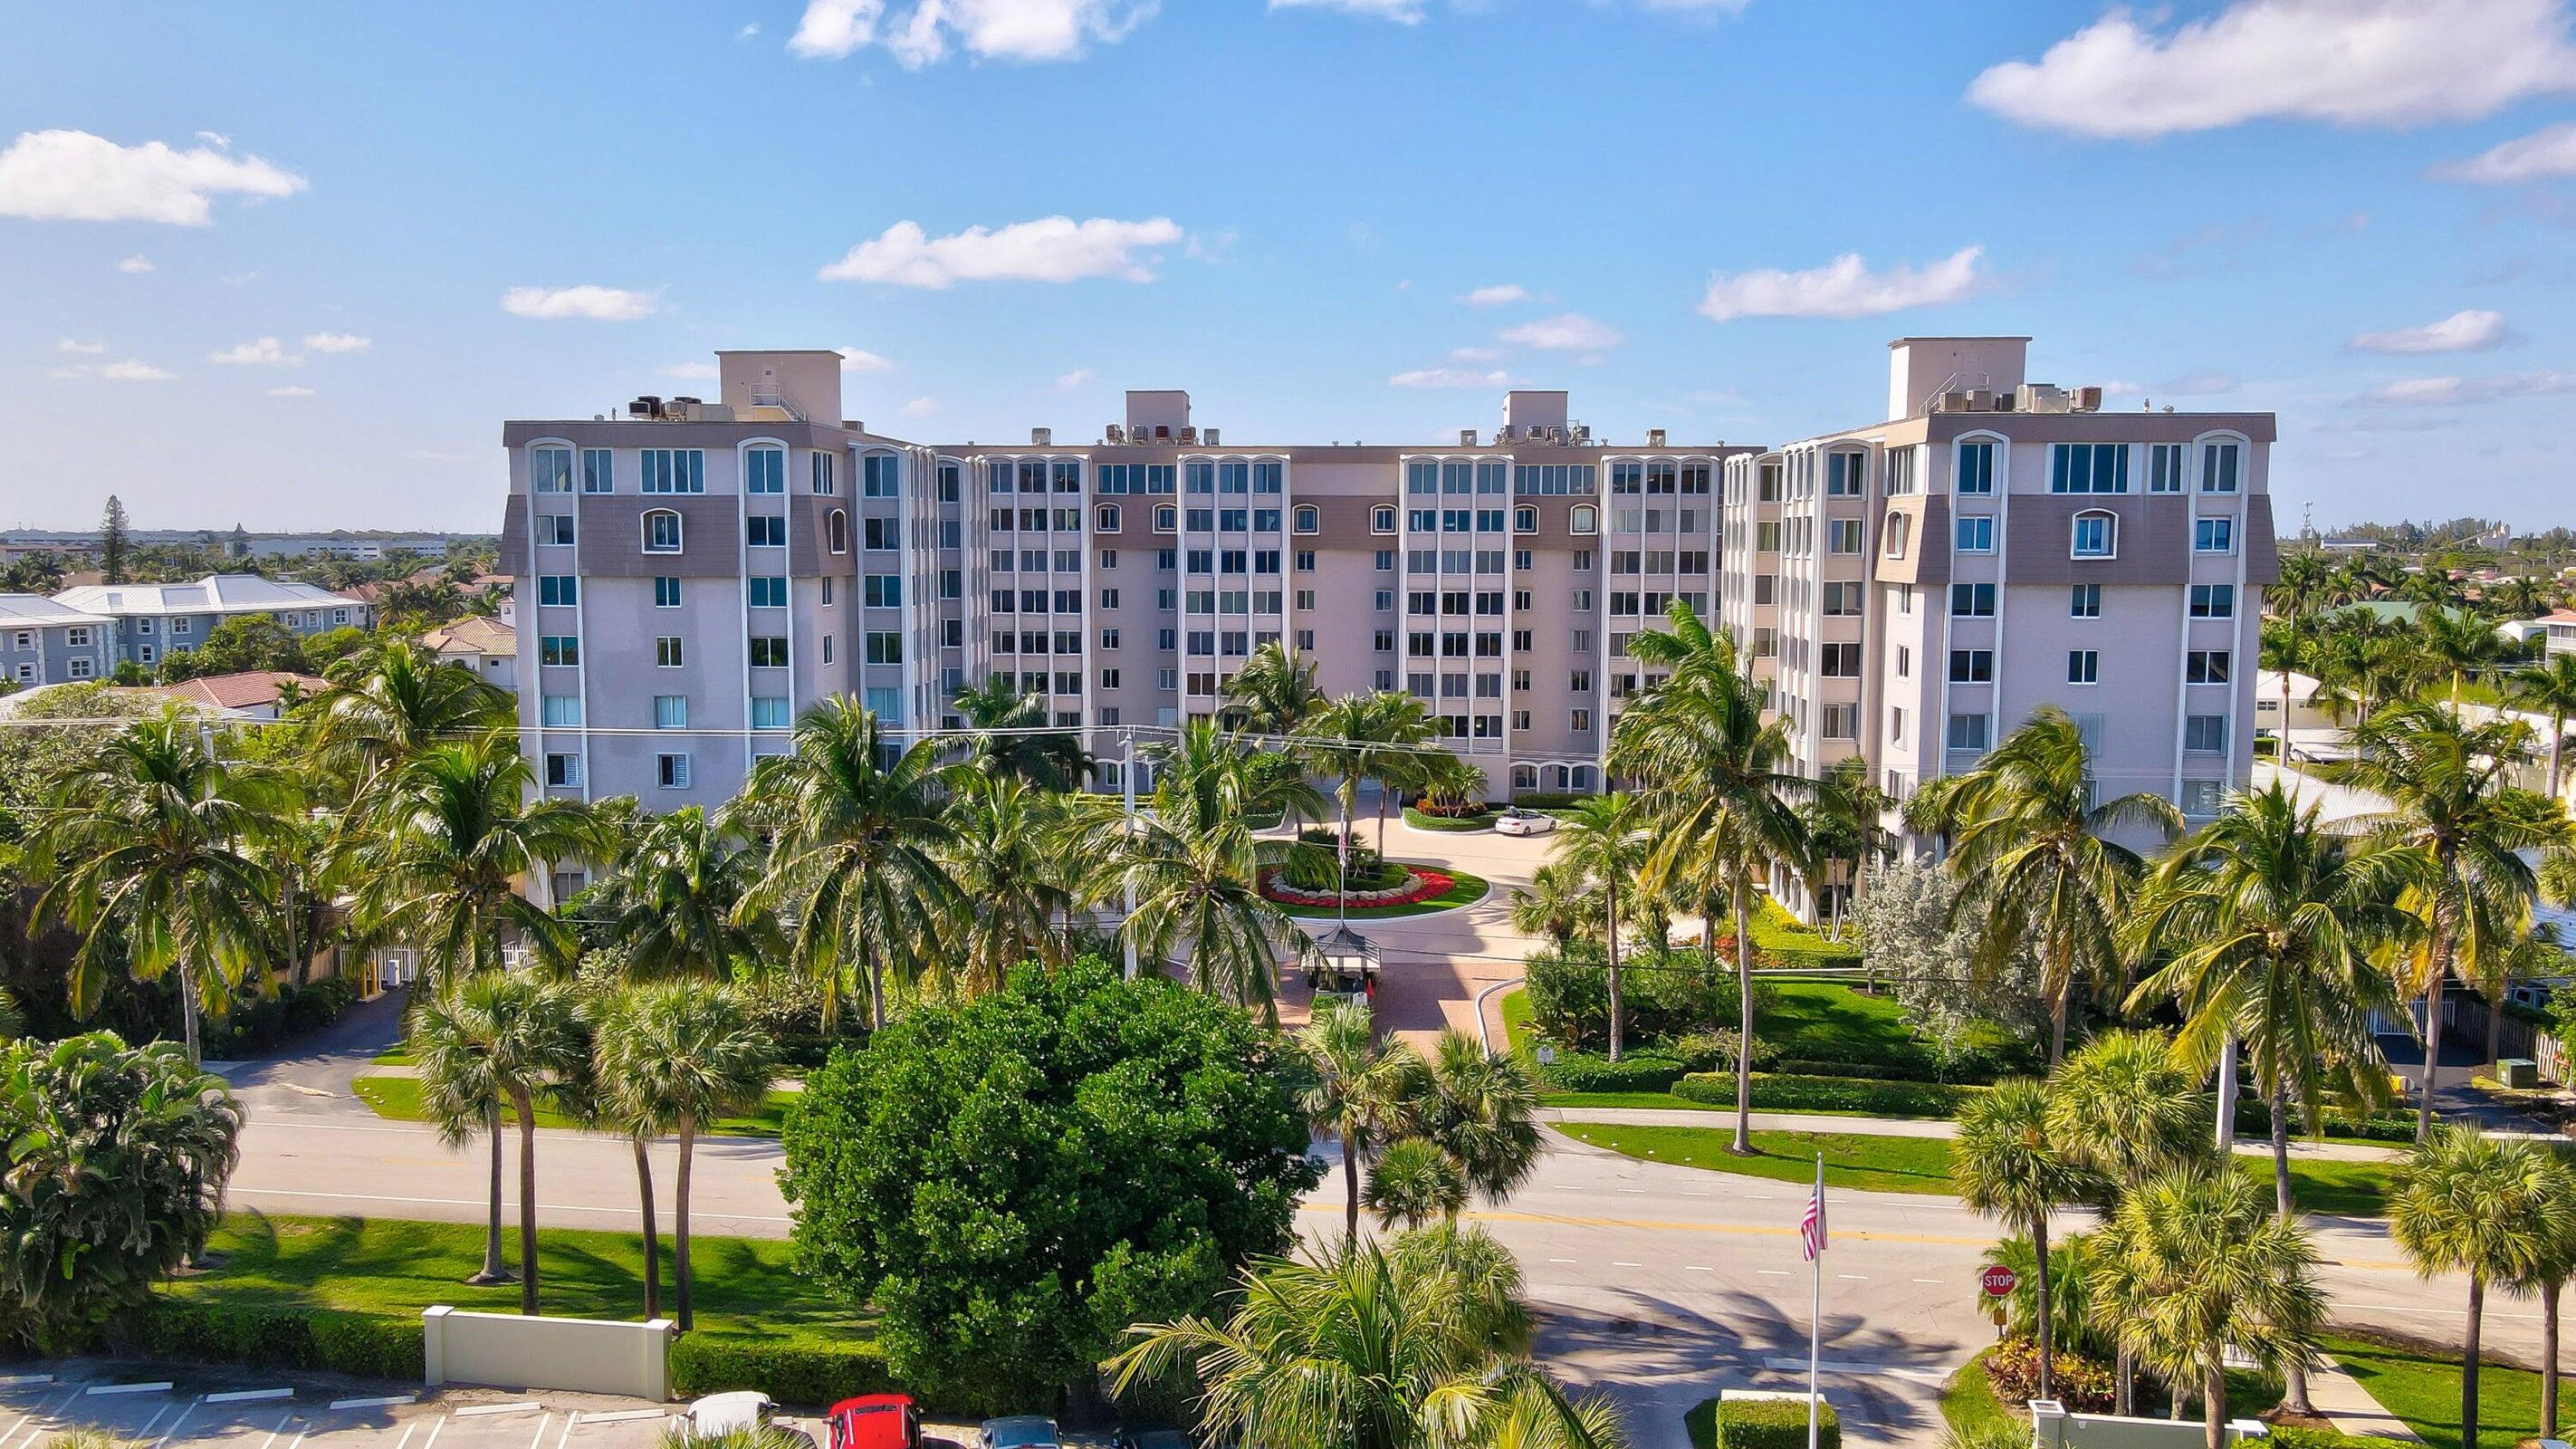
(1426, 884)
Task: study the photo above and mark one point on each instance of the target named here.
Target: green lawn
(398, 1099)
(1922, 1164)
(1778, 932)
(1975, 1416)
(1516, 1019)
(396, 1055)
(1701, 1421)
(745, 1286)
(1464, 890)
(2424, 1390)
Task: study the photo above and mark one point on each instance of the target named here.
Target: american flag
(1811, 1224)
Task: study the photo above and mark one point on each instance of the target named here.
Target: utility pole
(1127, 783)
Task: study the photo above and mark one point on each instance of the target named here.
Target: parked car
(717, 1415)
(875, 1421)
(1516, 821)
(1026, 1431)
(1153, 1436)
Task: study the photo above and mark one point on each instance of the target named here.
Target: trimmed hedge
(2254, 1120)
(1875, 1071)
(328, 1340)
(1775, 1424)
(1481, 820)
(1635, 1071)
(1549, 799)
(793, 1374)
(2300, 1436)
(1776, 1093)
(258, 1023)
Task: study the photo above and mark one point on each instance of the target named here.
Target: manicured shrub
(803, 1375)
(1480, 818)
(1549, 799)
(256, 1024)
(1777, 1093)
(2083, 1385)
(1774, 1424)
(1668, 995)
(2254, 1119)
(321, 1339)
(2301, 1436)
(1633, 1072)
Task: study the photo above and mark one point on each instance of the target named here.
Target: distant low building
(153, 620)
(43, 641)
(255, 694)
(2562, 631)
(489, 647)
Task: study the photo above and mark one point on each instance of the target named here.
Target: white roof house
(37, 611)
(213, 594)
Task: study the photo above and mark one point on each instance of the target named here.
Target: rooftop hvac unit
(1583, 432)
(1211, 437)
(1654, 437)
(647, 406)
(1981, 399)
(1115, 433)
(1162, 431)
(1466, 437)
(1188, 434)
(2088, 399)
(1041, 437)
(1950, 402)
(1556, 435)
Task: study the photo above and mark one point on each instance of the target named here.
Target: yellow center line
(1650, 1225)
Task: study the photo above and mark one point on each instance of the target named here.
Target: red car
(875, 1421)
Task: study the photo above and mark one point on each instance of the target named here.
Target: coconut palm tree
(1008, 736)
(2284, 649)
(1194, 864)
(1006, 855)
(1844, 822)
(1356, 1088)
(2005, 1164)
(149, 852)
(2549, 687)
(1414, 1184)
(2463, 827)
(2550, 1270)
(1448, 782)
(2461, 642)
(674, 893)
(2489, 1207)
(488, 1042)
(1410, 1345)
(1359, 737)
(2267, 922)
(1558, 904)
(2036, 867)
(1603, 840)
(1481, 1108)
(686, 1053)
(1271, 694)
(855, 862)
(456, 829)
(393, 700)
(1717, 781)
(2193, 1263)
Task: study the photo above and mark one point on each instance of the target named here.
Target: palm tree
(1358, 737)
(2461, 642)
(1603, 839)
(675, 892)
(1716, 779)
(1006, 855)
(147, 856)
(1447, 782)
(482, 1043)
(1843, 819)
(686, 1053)
(1415, 1184)
(2550, 1270)
(2277, 919)
(2549, 687)
(2283, 650)
(1008, 737)
(457, 828)
(2034, 863)
(2194, 1264)
(2005, 1164)
(394, 700)
(1480, 1108)
(855, 860)
(1195, 865)
(1355, 1088)
(2453, 810)
(2490, 1207)
(1558, 905)
(1410, 1345)
(1271, 694)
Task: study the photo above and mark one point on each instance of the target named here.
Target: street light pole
(1127, 782)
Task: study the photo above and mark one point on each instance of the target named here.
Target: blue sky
(293, 264)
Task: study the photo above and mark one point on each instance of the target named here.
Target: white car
(717, 1415)
(1516, 821)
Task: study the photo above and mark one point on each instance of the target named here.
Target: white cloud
(75, 176)
(1474, 354)
(126, 371)
(290, 390)
(134, 264)
(596, 304)
(2451, 391)
(2468, 331)
(2379, 62)
(920, 32)
(1402, 12)
(1845, 287)
(1076, 380)
(262, 352)
(1450, 377)
(1567, 332)
(338, 342)
(748, 31)
(859, 359)
(2545, 153)
(921, 407)
(1051, 249)
(1500, 295)
(689, 371)
(85, 349)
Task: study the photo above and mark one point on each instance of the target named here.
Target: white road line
(406, 1433)
(298, 1440)
(477, 1202)
(539, 1437)
(1927, 1280)
(174, 1426)
(1775, 1272)
(154, 1422)
(378, 1401)
(2444, 1312)
(1616, 1263)
(1561, 1260)
(159, 1387)
(1862, 1277)
(514, 1406)
(235, 1396)
(1696, 1268)
(282, 1421)
(432, 1441)
(41, 1415)
(570, 1420)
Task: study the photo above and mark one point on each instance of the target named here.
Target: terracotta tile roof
(238, 691)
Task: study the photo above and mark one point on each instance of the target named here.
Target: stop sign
(1998, 1280)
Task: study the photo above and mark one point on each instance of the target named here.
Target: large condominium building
(147, 621)
(1915, 588)
(45, 642)
(693, 574)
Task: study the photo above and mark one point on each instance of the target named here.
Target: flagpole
(1816, 1314)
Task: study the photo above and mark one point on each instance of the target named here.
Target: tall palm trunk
(1350, 1186)
(876, 984)
(2213, 1405)
(2469, 1359)
(1742, 1146)
(683, 1282)
(2557, 738)
(2549, 1291)
(652, 1236)
(188, 1013)
(2296, 1379)
(527, 1110)
(493, 1270)
(2441, 956)
(2040, 1291)
(1617, 1014)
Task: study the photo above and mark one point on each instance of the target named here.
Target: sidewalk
(2350, 1408)
(1723, 1119)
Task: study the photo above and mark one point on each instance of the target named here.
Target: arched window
(2097, 535)
(1167, 519)
(1525, 519)
(1382, 518)
(661, 531)
(1104, 519)
(1308, 518)
(836, 531)
(1583, 518)
(1524, 777)
(1899, 525)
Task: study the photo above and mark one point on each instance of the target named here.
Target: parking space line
(154, 1422)
(406, 1433)
(42, 1416)
(539, 1437)
(174, 1426)
(282, 1421)
(432, 1441)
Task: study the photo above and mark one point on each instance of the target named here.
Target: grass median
(2422, 1387)
(1873, 1163)
(397, 1099)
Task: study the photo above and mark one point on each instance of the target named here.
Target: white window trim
(679, 530)
(2075, 526)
